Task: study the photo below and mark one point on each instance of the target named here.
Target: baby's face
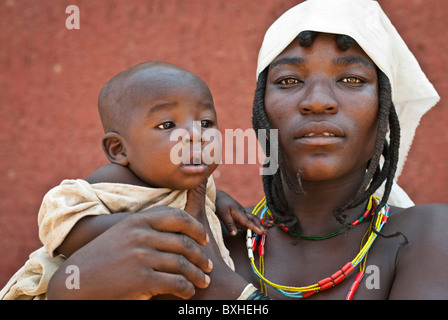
(163, 103)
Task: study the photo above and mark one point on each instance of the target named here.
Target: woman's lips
(319, 133)
(313, 134)
(320, 140)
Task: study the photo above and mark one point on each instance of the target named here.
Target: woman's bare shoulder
(419, 271)
(420, 216)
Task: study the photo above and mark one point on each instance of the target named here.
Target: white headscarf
(363, 20)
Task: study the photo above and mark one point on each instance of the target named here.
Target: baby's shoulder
(115, 173)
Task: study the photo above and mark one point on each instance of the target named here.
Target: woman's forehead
(323, 45)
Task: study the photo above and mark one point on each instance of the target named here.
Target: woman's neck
(314, 208)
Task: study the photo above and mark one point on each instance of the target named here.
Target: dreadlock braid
(272, 184)
(375, 174)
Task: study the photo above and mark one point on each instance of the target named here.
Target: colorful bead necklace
(376, 224)
(370, 207)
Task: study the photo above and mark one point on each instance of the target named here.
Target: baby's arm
(87, 229)
(229, 211)
(90, 227)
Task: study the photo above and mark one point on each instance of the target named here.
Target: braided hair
(375, 174)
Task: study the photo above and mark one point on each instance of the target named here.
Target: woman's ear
(114, 148)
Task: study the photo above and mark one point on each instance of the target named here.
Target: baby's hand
(234, 216)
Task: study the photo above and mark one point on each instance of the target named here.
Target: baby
(139, 109)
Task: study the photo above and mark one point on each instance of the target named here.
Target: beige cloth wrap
(66, 204)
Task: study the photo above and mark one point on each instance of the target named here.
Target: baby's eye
(166, 125)
(206, 123)
(352, 80)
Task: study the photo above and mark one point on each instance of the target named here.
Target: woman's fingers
(177, 264)
(169, 284)
(184, 247)
(167, 219)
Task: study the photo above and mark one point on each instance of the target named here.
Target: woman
(335, 79)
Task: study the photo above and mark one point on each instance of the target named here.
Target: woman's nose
(319, 98)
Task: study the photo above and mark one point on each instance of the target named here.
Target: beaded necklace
(376, 225)
(370, 206)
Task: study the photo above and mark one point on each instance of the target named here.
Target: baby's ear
(114, 148)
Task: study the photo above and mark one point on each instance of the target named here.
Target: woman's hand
(158, 251)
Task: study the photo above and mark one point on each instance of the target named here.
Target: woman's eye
(352, 80)
(288, 81)
(206, 123)
(166, 125)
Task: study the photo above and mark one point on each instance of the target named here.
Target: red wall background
(50, 78)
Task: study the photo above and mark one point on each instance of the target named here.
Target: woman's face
(324, 103)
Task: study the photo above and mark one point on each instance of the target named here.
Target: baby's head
(141, 107)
